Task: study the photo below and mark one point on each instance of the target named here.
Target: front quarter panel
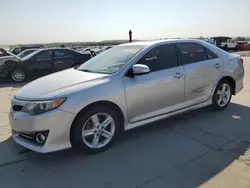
(110, 90)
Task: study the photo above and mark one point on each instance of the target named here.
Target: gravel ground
(243, 53)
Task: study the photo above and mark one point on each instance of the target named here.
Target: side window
(44, 55)
(62, 53)
(210, 54)
(191, 53)
(160, 57)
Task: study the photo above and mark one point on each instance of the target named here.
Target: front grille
(17, 108)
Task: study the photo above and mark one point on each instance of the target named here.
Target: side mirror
(140, 69)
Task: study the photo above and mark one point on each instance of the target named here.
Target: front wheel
(18, 75)
(236, 48)
(226, 48)
(96, 130)
(222, 95)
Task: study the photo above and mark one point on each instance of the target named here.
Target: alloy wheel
(98, 130)
(18, 75)
(223, 95)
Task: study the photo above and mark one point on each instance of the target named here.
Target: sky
(45, 21)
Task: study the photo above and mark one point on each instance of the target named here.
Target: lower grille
(28, 136)
(34, 137)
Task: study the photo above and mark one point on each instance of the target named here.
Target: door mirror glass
(140, 69)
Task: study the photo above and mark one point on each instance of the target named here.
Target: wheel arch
(94, 104)
(231, 81)
(17, 66)
(9, 63)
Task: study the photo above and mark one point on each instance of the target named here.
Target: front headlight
(38, 107)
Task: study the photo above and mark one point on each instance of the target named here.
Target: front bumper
(3, 72)
(56, 122)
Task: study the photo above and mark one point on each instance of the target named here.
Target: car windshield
(26, 52)
(11, 54)
(111, 60)
(30, 55)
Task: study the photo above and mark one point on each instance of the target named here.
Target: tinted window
(16, 51)
(81, 57)
(161, 57)
(210, 54)
(25, 53)
(85, 57)
(62, 53)
(44, 55)
(192, 52)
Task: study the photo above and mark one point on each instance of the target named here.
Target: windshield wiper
(85, 70)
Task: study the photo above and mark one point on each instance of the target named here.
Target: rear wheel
(222, 95)
(96, 130)
(226, 48)
(18, 75)
(236, 48)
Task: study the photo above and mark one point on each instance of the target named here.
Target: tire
(18, 75)
(226, 48)
(236, 48)
(85, 131)
(222, 97)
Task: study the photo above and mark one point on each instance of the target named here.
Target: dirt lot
(202, 148)
(243, 53)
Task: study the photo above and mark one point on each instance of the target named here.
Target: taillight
(241, 60)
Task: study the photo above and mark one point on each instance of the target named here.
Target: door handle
(217, 65)
(178, 75)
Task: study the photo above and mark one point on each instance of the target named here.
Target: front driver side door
(40, 64)
(158, 92)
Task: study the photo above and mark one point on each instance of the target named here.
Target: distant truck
(225, 43)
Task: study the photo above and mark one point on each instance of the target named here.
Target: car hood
(6, 58)
(58, 84)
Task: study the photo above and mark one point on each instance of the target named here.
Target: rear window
(191, 53)
(210, 54)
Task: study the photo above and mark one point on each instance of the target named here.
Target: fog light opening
(40, 138)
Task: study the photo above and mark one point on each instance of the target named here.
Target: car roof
(150, 43)
(30, 49)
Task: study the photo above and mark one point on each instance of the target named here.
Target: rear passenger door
(203, 68)
(40, 64)
(63, 59)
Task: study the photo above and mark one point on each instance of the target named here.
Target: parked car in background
(225, 43)
(4, 52)
(26, 52)
(78, 48)
(6, 58)
(125, 87)
(244, 46)
(18, 50)
(41, 62)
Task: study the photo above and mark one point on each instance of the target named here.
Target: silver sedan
(127, 86)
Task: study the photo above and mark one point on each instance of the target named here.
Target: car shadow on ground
(182, 151)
